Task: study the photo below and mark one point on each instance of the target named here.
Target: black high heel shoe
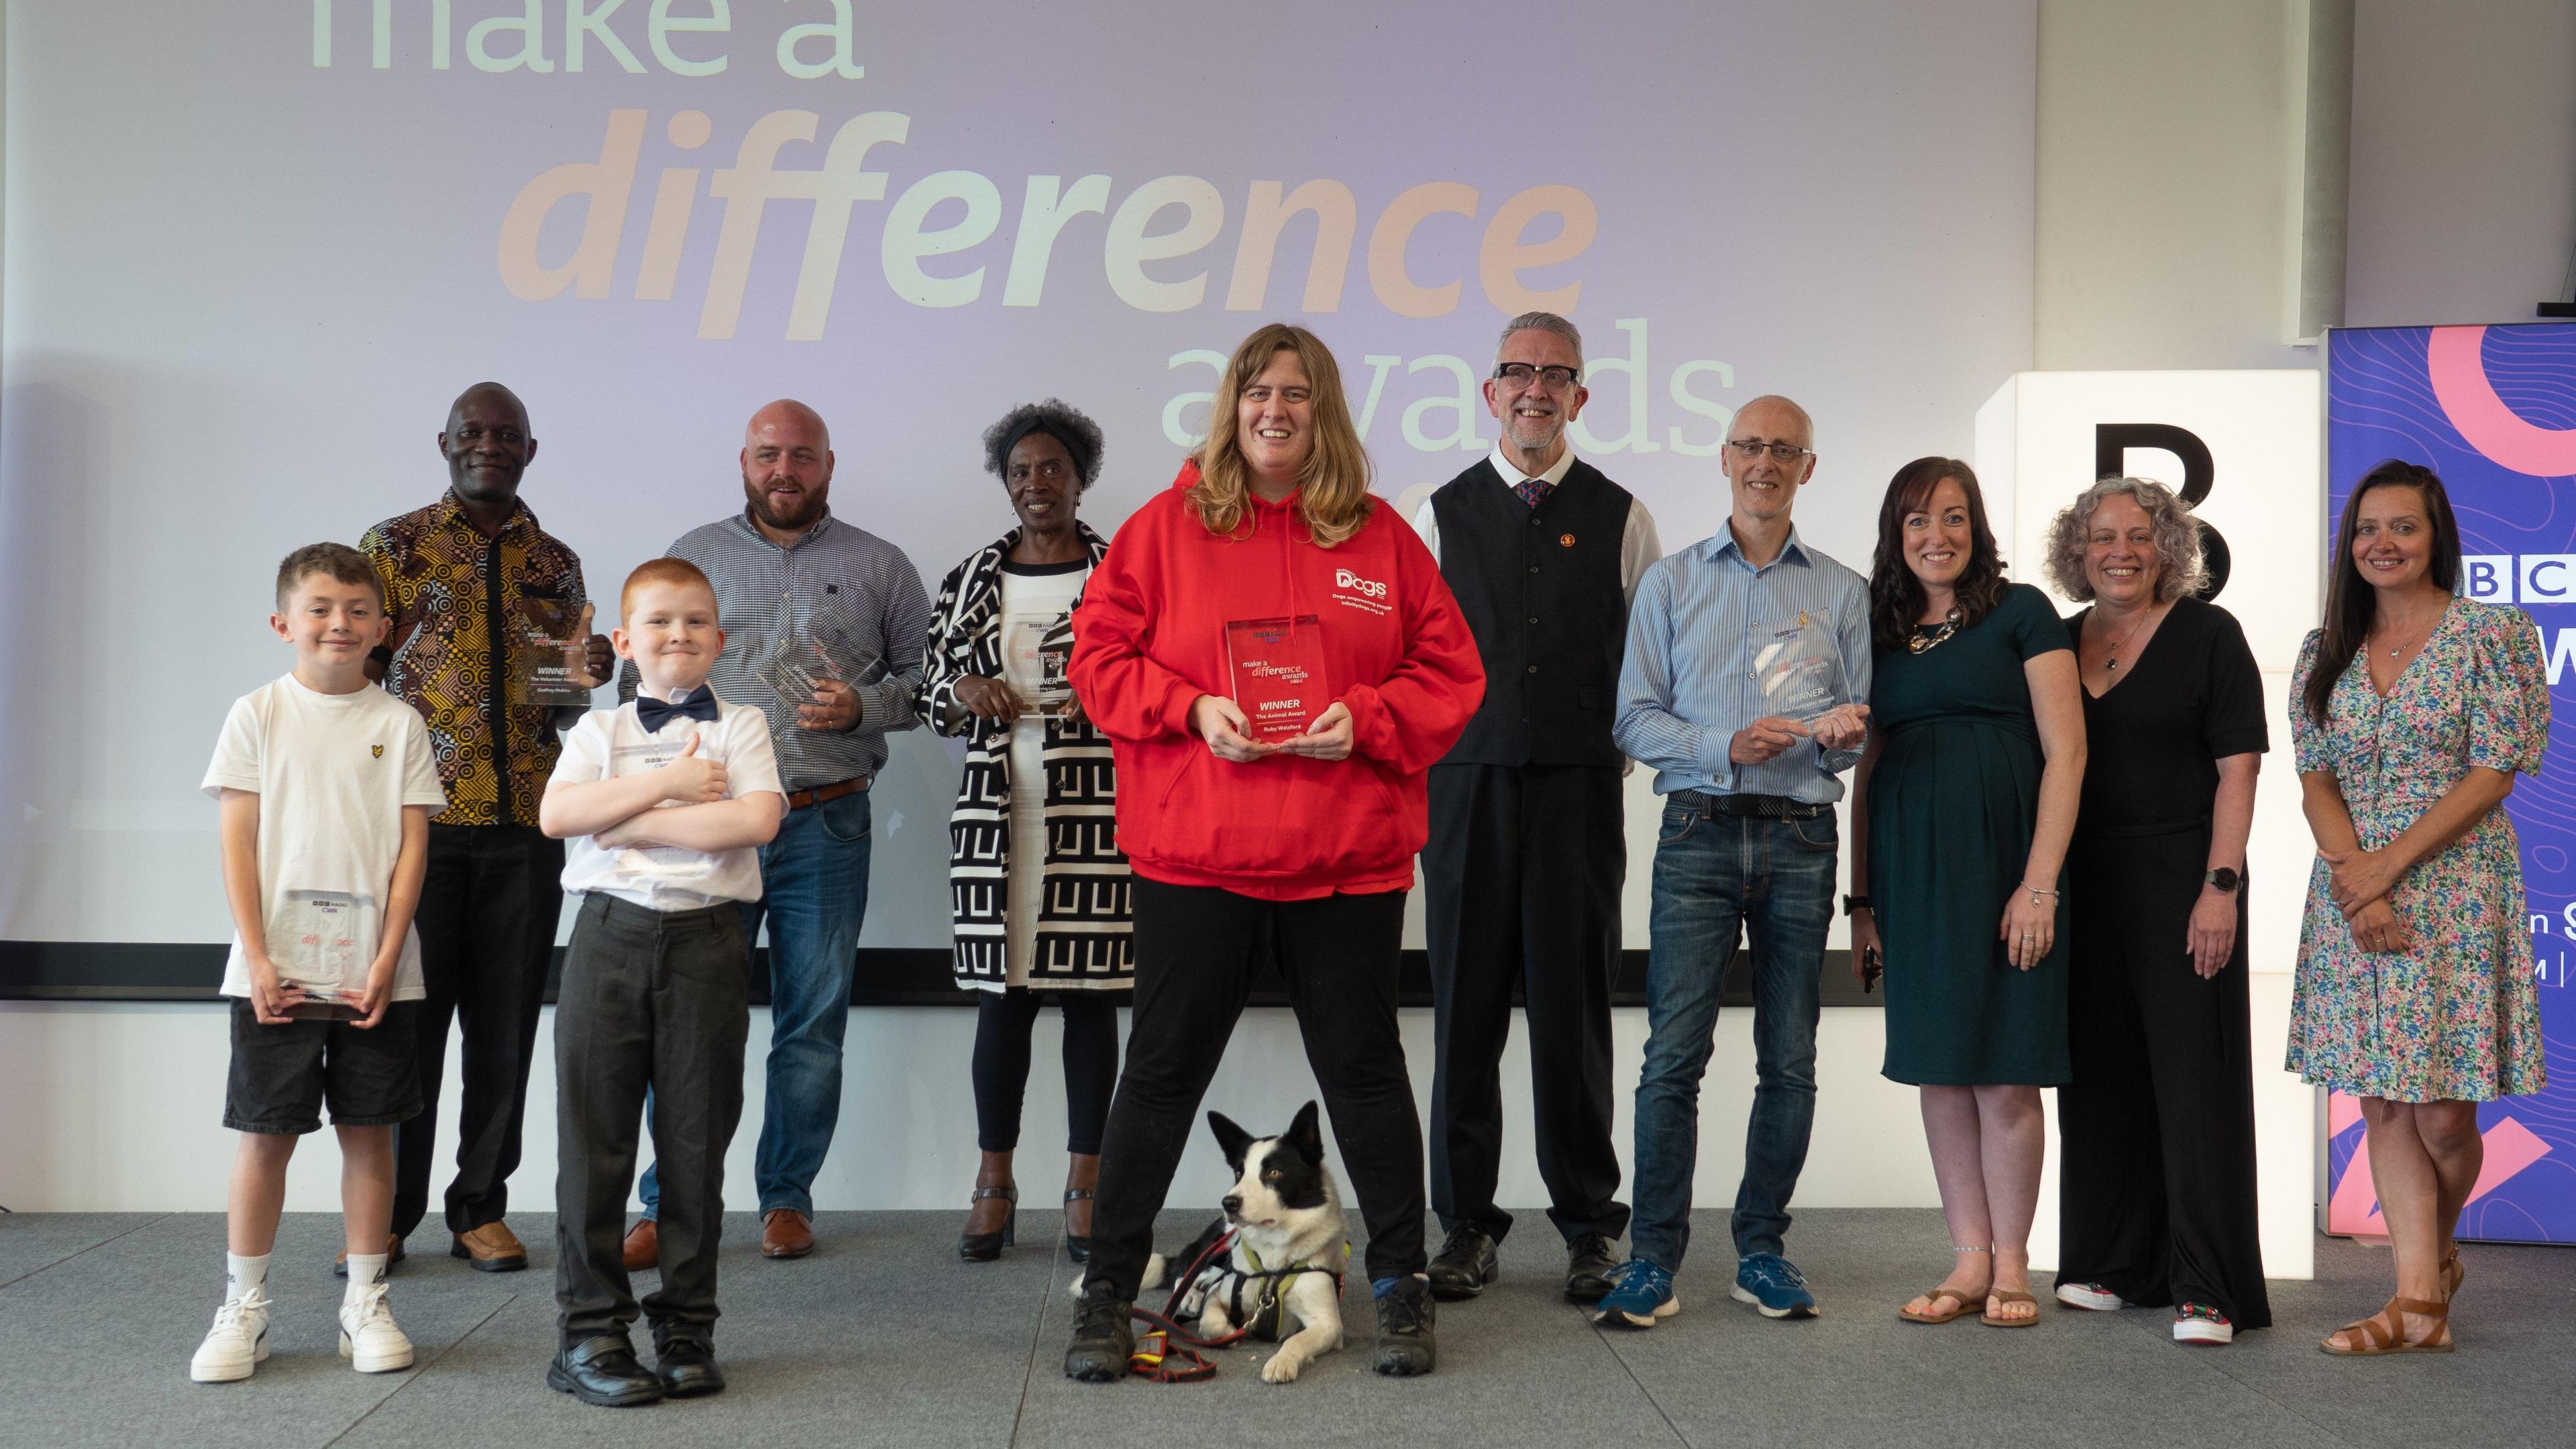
(985, 1247)
(1077, 1246)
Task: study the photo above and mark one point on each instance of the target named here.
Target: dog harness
(1167, 1353)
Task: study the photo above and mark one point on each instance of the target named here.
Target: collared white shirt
(609, 743)
(1639, 546)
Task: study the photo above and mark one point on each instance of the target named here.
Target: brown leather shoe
(643, 1245)
(491, 1248)
(393, 1255)
(785, 1233)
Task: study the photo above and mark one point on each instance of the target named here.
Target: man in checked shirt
(824, 627)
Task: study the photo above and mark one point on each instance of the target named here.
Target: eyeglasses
(1751, 448)
(1520, 374)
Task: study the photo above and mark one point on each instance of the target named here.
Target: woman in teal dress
(2411, 713)
(1961, 811)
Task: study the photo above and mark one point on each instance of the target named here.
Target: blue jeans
(814, 884)
(1714, 875)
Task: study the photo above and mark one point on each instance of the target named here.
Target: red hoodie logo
(1359, 593)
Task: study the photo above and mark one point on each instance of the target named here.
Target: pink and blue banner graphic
(2493, 410)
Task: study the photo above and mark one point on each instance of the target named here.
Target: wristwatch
(2226, 878)
(1855, 903)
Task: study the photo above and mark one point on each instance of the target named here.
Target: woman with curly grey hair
(2156, 1193)
(1037, 886)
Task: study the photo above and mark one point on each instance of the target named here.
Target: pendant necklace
(2112, 664)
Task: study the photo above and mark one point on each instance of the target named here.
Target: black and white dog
(1282, 1276)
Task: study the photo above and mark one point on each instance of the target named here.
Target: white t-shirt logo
(1345, 579)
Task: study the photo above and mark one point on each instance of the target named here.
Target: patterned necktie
(1533, 491)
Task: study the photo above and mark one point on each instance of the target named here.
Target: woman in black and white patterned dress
(1038, 889)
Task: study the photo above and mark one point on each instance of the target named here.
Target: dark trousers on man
(487, 934)
(1195, 951)
(659, 999)
(1521, 884)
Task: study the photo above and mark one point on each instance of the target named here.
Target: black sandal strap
(981, 1193)
(1076, 1194)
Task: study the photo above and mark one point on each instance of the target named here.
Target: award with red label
(1278, 669)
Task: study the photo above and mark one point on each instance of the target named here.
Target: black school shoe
(1405, 1346)
(603, 1371)
(1104, 1338)
(1465, 1264)
(686, 1366)
(1589, 1266)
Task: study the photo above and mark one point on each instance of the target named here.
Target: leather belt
(1764, 807)
(799, 799)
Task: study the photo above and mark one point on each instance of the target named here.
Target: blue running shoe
(1639, 1294)
(1774, 1285)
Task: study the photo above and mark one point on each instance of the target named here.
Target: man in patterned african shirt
(463, 579)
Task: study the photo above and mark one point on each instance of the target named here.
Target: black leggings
(1003, 1021)
(1195, 949)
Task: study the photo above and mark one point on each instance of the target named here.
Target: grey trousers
(659, 999)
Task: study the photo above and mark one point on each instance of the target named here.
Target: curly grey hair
(1057, 419)
(2180, 569)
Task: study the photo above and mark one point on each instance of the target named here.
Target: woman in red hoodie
(1276, 661)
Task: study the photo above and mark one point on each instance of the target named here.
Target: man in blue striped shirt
(1745, 688)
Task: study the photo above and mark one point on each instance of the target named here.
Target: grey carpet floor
(883, 1337)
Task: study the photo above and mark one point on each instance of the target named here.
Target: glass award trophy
(1029, 659)
(797, 668)
(329, 942)
(1278, 673)
(1798, 664)
(550, 659)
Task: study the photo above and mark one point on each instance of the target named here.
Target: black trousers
(659, 999)
(2156, 1182)
(1003, 1022)
(487, 934)
(1195, 950)
(1521, 884)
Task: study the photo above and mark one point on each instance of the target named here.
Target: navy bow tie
(654, 713)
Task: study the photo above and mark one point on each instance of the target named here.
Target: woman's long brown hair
(1896, 597)
(1334, 498)
(2352, 605)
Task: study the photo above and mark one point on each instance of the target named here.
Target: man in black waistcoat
(1527, 851)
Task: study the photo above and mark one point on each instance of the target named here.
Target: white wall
(118, 1107)
(2463, 161)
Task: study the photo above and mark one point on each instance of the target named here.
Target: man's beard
(1555, 429)
(804, 518)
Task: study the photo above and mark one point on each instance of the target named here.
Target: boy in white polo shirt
(326, 785)
(666, 802)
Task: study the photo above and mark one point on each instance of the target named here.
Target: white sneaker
(368, 1337)
(2090, 1295)
(237, 1342)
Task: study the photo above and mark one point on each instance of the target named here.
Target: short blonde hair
(2180, 569)
(1334, 485)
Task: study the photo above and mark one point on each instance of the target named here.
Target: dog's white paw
(1282, 1368)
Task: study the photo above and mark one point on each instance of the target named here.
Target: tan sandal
(2007, 1295)
(1959, 1296)
(2385, 1331)
(2454, 1273)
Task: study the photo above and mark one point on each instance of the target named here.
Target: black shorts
(281, 1075)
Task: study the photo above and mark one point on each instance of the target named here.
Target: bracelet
(2037, 890)
(1855, 904)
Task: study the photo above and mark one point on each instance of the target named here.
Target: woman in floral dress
(2411, 713)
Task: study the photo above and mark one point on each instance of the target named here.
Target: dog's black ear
(1230, 1139)
(1306, 1134)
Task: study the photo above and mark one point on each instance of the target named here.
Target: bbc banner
(2493, 411)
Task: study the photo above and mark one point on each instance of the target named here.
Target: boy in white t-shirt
(666, 801)
(326, 786)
